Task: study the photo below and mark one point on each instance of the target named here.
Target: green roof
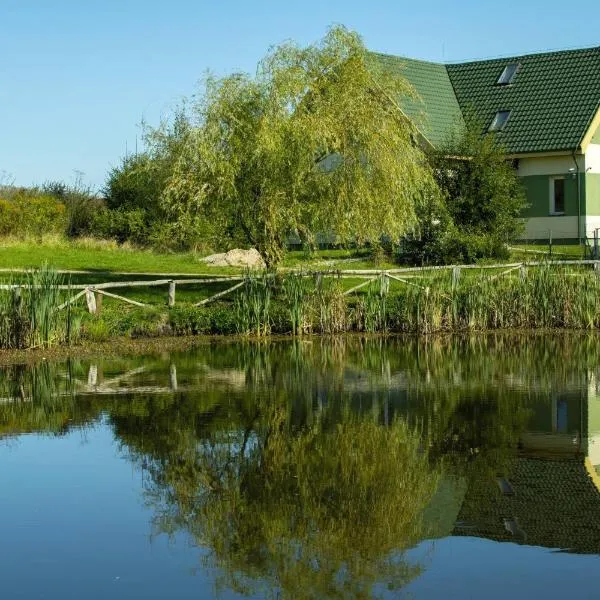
(552, 98)
(436, 111)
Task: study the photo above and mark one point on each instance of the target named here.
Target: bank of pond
(297, 304)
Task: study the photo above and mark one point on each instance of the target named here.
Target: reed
(297, 289)
(252, 305)
(542, 298)
(29, 315)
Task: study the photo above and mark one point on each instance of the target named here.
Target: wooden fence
(94, 292)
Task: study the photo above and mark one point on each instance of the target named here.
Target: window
(507, 76)
(499, 121)
(557, 196)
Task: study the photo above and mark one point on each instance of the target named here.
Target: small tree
(314, 143)
(481, 203)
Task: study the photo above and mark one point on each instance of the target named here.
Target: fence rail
(92, 292)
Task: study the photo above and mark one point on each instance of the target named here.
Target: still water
(321, 468)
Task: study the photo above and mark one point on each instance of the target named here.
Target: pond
(463, 467)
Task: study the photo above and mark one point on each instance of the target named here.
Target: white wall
(537, 228)
(592, 159)
(549, 165)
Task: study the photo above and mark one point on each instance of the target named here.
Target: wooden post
(18, 298)
(455, 277)
(385, 284)
(597, 268)
(98, 299)
(523, 272)
(171, 293)
(91, 301)
(173, 376)
(93, 375)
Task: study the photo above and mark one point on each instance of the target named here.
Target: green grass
(533, 252)
(101, 257)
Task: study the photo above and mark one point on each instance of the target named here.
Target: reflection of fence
(403, 275)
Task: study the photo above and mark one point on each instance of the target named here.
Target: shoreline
(140, 346)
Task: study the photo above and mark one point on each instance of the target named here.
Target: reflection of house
(550, 495)
(553, 503)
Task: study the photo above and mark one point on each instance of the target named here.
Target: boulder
(236, 258)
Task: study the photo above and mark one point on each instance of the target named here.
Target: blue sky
(78, 76)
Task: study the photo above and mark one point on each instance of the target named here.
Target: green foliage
(370, 311)
(29, 316)
(29, 214)
(122, 225)
(252, 305)
(480, 207)
(190, 320)
(314, 143)
(133, 194)
(81, 204)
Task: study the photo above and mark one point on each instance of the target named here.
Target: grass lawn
(108, 262)
(532, 252)
(101, 257)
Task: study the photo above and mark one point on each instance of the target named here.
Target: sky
(77, 77)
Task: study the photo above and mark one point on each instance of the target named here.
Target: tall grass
(252, 305)
(371, 313)
(29, 315)
(296, 289)
(542, 298)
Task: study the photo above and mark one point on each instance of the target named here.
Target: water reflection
(308, 468)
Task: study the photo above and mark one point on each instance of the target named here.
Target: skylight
(499, 121)
(507, 76)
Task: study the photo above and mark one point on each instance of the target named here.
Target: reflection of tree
(307, 465)
(313, 512)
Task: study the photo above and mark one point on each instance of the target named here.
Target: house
(544, 108)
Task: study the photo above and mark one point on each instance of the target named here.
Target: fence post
(385, 284)
(596, 244)
(18, 298)
(93, 375)
(455, 277)
(98, 299)
(523, 272)
(91, 301)
(173, 376)
(550, 242)
(171, 293)
(597, 268)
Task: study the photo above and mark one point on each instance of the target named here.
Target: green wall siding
(592, 194)
(537, 189)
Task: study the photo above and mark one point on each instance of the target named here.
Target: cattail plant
(252, 305)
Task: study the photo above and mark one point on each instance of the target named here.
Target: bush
(29, 214)
(81, 205)
(190, 320)
(121, 225)
(479, 208)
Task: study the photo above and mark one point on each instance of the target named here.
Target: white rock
(235, 258)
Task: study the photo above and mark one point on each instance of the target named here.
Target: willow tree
(315, 142)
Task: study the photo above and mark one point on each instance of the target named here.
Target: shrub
(81, 204)
(27, 214)
(190, 320)
(121, 225)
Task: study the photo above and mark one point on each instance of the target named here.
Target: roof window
(500, 120)
(507, 76)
